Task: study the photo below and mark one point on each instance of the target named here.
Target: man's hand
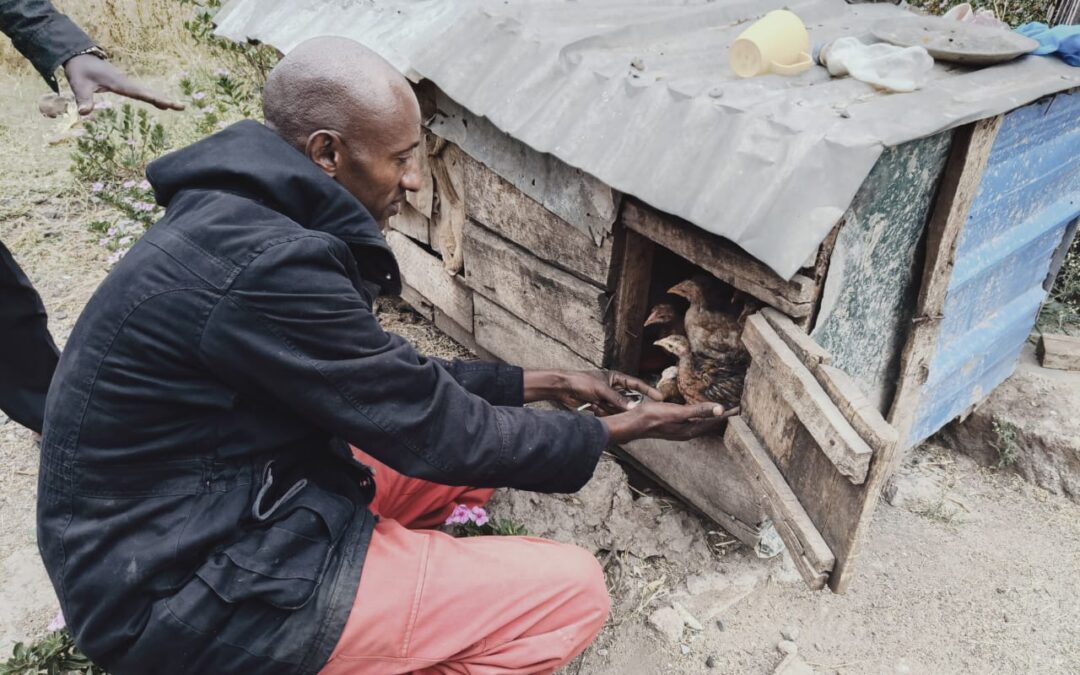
(88, 74)
(604, 390)
(670, 421)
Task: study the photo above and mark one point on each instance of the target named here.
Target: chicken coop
(881, 257)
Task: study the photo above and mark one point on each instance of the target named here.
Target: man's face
(380, 168)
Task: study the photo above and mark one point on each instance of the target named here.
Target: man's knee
(589, 585)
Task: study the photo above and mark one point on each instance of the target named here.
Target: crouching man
(200, 507)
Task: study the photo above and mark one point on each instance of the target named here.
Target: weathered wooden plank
(555, 302)
(512, 340)
(1061, 352)
(809, 352)
(970, 150)
(708, 475)
(838, 440)
(579, 198)
(497, 205)
(418, 302)
(722, 259)
(807, 547)
(843, 391)
(460, 334)
(856, 408)
(411, 223)
(425, 273)
(631, 300)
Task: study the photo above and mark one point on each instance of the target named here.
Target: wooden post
(970, 151)
(631, 300)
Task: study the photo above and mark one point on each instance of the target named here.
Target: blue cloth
(1062, 40)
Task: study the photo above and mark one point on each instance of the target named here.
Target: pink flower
(128, 184)
(221, 72)
(460, 515)
(222, 124)
(479, 515)
(103, 105)
(199, 95)
(144, 185)
(58, 621)
(97, 187)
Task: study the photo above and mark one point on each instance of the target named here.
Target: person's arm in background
(48, 39)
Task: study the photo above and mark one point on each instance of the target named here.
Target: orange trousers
(432, 603)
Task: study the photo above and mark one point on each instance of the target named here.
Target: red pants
(431, 603)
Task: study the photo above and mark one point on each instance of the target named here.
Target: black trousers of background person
(28, 354)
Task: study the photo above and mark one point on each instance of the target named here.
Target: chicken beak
(680, 289)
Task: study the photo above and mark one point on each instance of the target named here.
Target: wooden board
(840, 509)
(497, 205)
(425, 274)
(1061, 352)
(510, 339)
(631, 300)
(968, 155)
(460, 334)
(708, 475)
(554, 302)
(838, 440)
(578, 198)
(868, 297)
(842, 390)
(418, 302)
(411, 223)
(722, 259)
(808, 549)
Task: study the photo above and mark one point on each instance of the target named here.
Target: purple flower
(460, 515)
(144, 185)
(58, 621)
(222, 72)
(97, 187)
(128, 184)
(479, 515)
(222, 124)
(103, 105)
(199, 95)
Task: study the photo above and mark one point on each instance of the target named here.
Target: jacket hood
(249, 159)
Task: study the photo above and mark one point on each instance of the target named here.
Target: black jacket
(198, 511)
(43, 35)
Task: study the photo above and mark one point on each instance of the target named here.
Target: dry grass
(143, 35)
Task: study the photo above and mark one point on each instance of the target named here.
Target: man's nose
(410, 180)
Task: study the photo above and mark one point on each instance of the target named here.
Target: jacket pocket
(283, 560)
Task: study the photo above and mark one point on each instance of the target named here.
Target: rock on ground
(1037, 425)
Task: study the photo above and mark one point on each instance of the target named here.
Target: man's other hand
(87, 74)
(670, 421)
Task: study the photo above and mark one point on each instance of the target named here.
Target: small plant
(117, 144)
(251, 61)
(54, 654)
(219, 98)
(475, 522)
(1007, 444)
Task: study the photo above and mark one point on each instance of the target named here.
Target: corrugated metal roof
(771, 162)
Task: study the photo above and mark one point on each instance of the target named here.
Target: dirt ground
(971, 572)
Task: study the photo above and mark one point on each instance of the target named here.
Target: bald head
(332, 83)
(351, 113)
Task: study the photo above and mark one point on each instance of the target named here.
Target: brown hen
(701, 378)
(712, 333)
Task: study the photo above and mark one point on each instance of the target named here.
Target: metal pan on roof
(954, 41)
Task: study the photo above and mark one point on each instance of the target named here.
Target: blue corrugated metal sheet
(1029, 193)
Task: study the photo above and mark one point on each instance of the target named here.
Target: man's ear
(324, 148)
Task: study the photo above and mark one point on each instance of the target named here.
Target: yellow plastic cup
(775, 43)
